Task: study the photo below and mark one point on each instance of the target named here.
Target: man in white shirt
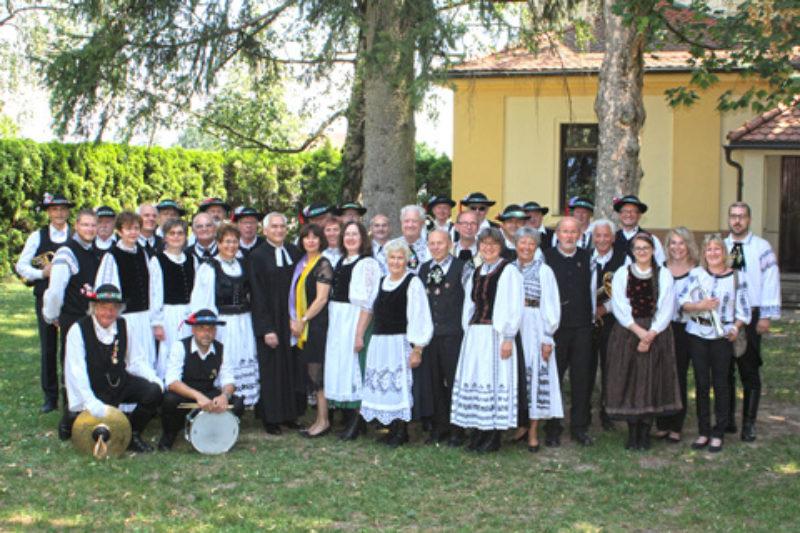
(412, 219)
(198, 371)
(478, 203)
(44, 243)
(630, 210)
(104, 366)
(466, 248)
(149, 240)
(380, 229)
(753, 257)
(440, 208)
(106, 217)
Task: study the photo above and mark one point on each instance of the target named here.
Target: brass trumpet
(39, 262)
(604, 290)
(706, 318)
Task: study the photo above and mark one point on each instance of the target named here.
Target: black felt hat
(51, 200)
(210, 202)
(436, 200)
(246, 211)
(104, 211)
(204, 317)
(534, 206)
(105, 293)
(629, 199)
(580, 201)
(513, 211)
(315, 209)
(477, 198)
(339, 209)
(171, 204)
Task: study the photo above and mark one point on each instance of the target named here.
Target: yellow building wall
(507, 134)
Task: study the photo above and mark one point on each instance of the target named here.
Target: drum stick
(194, 405)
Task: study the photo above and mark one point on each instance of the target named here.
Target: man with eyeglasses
(754, 258)
(478, 203)
(205, 244)
(630, 210)
(466, 248)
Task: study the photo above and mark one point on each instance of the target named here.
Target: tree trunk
(620, 112)
(388, 179)
(353, 156)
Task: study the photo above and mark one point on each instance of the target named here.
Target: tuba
(38, 262)
(706, 319)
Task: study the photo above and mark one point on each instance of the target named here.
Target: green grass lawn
(289, 483)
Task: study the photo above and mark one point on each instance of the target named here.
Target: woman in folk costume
(222, 285)
(355, 285)
(171, 283)
(308, 312)
(403, 327)
(682, 257)
(642, 377)
(540, 318)
(125, 265)
(485, 386)
(714, 288)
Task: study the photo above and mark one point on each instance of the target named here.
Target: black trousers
(64, 323)
(145, 394)
(748, 364)
(48, 342)
(574, 354)
(682, 358)
(173, 418)
(712, 361)
(599, 356)
(440, 358)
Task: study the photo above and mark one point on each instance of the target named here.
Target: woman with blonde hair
(717, 299)
(682, 256)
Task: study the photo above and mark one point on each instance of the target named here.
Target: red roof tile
(778, 125)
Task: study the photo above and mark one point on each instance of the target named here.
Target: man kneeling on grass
(105, 365)
(197, 372)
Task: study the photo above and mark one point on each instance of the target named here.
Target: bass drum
(211, 433)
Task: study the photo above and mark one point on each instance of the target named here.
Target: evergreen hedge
(124, 177)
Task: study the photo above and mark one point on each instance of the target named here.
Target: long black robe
(279, 371)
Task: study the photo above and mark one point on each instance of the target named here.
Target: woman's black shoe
(272, 429)
(533, 449)
(400, 436)
(354, 428)
(491, 443)
(632, 430)
(475, 440)
(643, 442)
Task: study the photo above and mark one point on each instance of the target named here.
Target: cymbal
(102, 437)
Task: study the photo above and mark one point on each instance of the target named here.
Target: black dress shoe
(582, 438)
(748, 432)
(491, 443)
(165, 442)
(475, 440)
(399, 435)
(272, 429)
(48, 406)
(65, 428)
(533, 449)
(138, 445)
(552, 441)
(456, 439)
(306, 434)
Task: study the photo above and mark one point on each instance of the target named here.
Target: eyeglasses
(203, 226)
(642, 249)
(738, 217)
(465, 223)
(477, 208)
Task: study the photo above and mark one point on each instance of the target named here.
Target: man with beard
(754, 258)
(106, 218)
(271, 268)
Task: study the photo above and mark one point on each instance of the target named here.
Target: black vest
(623, 245)
(231, 294)
(246, 251)
(607, 272)
(134, 278)
(105, 364)
(342, 274)
(390, 309)
(75, 303)
(547, 239)
(445, 299)
(484, 291)
(200, 374)
(178, 279)
(574, 278)
(46, 245)
(152, 250)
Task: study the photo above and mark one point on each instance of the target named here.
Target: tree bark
(353, 156)
(389, 129)
(620, 112)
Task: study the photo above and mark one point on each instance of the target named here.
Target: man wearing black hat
(439, 209)
(315, 213)
(581, 209)
(536, 214)
(74, 269)
(216, 208)
(349, 211)
(197, 371)
(512, 218)
(630, 210)
(247, 219)
(105, 229)
(104, 366)
(478, 203)
(40, 244)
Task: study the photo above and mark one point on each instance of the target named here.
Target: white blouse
(665, 304)
(731, 308)
(509, 301)
(204, 294)
(363, 282)
(157, 287)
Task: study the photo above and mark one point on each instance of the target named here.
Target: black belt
(233, 309)
(531, 303)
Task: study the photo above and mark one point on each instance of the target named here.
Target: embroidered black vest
(484, 292)
(446, 298)
(232, 294)
(390, 309)
(178, 279)
(105, 364)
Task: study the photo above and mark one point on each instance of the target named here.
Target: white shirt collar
(104, 335)
(58, 235)
(280, 252)
(195, 348)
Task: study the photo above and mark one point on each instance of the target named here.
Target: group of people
(468, 326)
